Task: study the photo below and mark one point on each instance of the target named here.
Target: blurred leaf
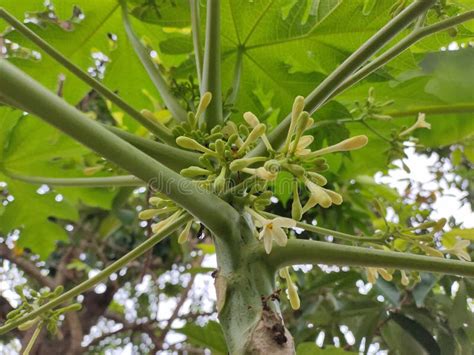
(209, 336)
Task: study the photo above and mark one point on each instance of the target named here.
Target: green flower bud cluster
(371, 108)
(32, 300)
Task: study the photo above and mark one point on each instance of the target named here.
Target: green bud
(71, 308)
(183, 236)
(148, 214)
(189, 143)
(220, 147)
(253, 136)
(58, 290)
(216, 129)
(219, 182)
(178, 131)
(192, 121)
(251, 119)
(243, 130)
(317, 178)
(194, 171)
(27, 325)
(240, 164)
(206, 162)
(215, 136)
(296, 208)
(13, 314)
(301, 124)
(296, 170)
(203, 104)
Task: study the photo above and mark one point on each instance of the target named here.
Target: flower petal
(283, 222)
(279, 236)
(267, 242)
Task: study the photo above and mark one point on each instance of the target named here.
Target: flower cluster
(32, 300)
(229, 169)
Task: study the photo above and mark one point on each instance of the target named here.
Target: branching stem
(82, 75)
(89, 283)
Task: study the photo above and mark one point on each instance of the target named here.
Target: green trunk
(249, 315)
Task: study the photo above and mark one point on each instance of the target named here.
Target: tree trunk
(247, 302)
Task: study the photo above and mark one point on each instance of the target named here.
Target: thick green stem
(249, 317)
(299, 251)
(404, 44)
(211, 73)
(110, 181)
(89, 283)
(324, 90)
(170, 101)
(329, 232)
(196, 31)
(95, 84)
(172, 157)
(216, 214)
(237, 76)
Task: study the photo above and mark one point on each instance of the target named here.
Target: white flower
(318, 195)
(459, 249)
(420, 123)
(373, 274)
(301, 147)
(272, 229)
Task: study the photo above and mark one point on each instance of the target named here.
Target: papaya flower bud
(203, 104)
(420, 123)
(240, 164)
(296, 170)
(298, 107)
(194, 171)
(346, 145)
(256, 132)
(152, 117)
(28, 324)
(148, 214)
(317, 178)
(301, 148)
(183, 236)
(292, 291)
(296, 208)
(191, 144)
(251, 119)
(299, 130)
(219, 182)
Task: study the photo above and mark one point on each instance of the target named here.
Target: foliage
(271, 52)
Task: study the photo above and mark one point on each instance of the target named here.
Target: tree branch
(172, 157)
(401, 46)
(216, 214)
(91, 282)
(27, 266)
(299, 251)
(211, 73)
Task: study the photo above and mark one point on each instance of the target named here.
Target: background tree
(69, 213)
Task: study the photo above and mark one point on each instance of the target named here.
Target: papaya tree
(217, 111)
